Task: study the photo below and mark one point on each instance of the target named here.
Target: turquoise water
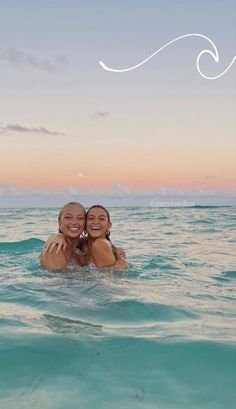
(158, 336)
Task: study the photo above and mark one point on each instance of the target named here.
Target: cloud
(120, 190)
(117, 195)
(117, 190)
(210, 177)
(100, 114)
(19, 58)
(9, 190)
(23, 129)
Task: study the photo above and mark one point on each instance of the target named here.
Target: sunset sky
(71, 130)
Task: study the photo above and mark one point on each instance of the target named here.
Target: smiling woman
(68, 249)
(101, 252)
(71, 222)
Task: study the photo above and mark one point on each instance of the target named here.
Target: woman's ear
(109, 227)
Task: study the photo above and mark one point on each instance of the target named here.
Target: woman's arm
(120, 258)
(121, 263)
(54, 260)
(55, 242)
(103, 255)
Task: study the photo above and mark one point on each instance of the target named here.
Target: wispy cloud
(100, 114)
(23, 129)
(210, 177)
(20, 58)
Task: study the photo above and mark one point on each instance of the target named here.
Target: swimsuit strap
(92, 265)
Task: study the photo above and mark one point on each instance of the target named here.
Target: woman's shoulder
(103, 243)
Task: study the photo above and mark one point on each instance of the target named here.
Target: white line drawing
(214, 55)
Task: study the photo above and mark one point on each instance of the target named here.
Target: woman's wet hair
(97, 206)
(63, 209)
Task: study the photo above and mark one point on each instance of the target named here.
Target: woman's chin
(70, 235)
(95, 235)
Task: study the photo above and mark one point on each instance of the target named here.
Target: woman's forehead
(73, 208)
(97, 211)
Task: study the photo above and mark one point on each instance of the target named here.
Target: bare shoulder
(53, 260)
(102, 253)
(102, 244)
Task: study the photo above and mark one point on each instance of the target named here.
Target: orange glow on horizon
(143, 168)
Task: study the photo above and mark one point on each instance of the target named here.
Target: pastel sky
(71, 130)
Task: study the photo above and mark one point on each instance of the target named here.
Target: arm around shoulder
(121, 263)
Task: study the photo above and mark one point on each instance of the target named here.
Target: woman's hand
(56, 240)
(121, 254)
(121, 260)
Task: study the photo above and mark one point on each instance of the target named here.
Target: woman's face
(72, 221)
(97, 224)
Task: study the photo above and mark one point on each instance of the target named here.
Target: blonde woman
(96, 250)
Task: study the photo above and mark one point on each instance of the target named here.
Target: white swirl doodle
(214, 54)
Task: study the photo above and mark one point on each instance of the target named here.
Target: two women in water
(70, 248)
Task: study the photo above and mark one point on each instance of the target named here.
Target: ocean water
(160, 335)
